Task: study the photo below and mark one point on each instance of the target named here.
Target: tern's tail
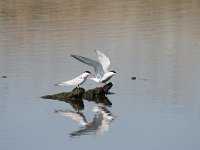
(60, 84)
(95, 79)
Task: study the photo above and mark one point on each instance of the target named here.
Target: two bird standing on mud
(102, 75)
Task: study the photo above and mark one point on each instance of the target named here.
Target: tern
(102, 75)
(76, 81)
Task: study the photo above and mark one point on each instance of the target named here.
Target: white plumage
(102, 74)
(76, 81)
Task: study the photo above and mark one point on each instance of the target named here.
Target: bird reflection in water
(77, 104)
(101, 100)
(99, 124)
(98, 98)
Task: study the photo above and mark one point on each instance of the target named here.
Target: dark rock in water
(98, 92)
(75, 97)
(97, 95)
(133, 78)
(107, 87)
(59, 96)
(79, 93)
(76, 93)
(4, 77)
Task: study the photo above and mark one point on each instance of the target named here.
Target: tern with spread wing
(76, 81)
(101, 68)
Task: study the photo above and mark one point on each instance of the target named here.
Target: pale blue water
(155, 41)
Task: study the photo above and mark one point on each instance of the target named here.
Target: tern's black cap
(113, 71)
(87, 72)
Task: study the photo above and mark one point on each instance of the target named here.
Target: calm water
(158, 42)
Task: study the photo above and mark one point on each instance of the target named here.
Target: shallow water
(155, 41)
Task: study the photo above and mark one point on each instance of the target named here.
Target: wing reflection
(99, 124)
(77, 116)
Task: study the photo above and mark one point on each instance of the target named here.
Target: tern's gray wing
(97, 66)
(104, 60)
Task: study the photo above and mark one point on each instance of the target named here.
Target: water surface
(155, 41)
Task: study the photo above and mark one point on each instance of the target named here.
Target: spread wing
(79, 117)
(104, 60)
(99, 71)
